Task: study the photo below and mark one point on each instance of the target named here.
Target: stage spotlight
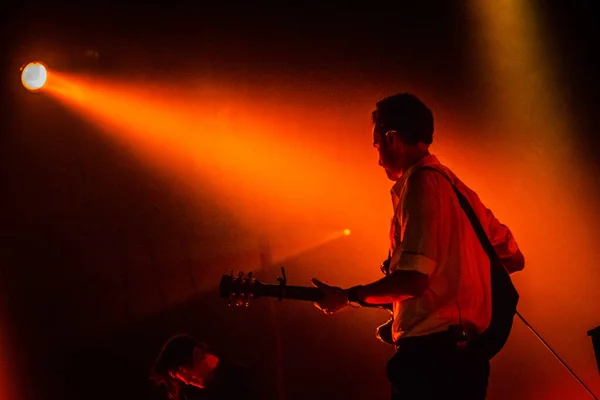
(34, 76)
(347, 232)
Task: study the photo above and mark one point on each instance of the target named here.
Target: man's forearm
(396, 286)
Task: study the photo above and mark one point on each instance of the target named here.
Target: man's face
(203, 364)
(390, 150)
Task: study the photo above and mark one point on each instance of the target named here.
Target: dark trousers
(433, 367)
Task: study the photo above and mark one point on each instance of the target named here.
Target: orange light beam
(256, 167)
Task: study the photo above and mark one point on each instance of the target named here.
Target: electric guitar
(242, 289)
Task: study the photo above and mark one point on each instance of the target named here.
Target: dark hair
(177, 352)
(407, 115)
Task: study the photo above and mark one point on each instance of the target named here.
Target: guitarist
(439, 281)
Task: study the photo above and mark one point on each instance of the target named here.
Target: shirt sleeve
(500, 235)
(419, 224)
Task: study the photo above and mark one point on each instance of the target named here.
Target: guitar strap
(504, 295)
(479, 231)
(475, 223)
(497, 269)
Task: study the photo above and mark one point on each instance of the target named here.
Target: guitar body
(384, 332)
(504, 307)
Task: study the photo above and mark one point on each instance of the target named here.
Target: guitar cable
(564, 364)
(556, 355)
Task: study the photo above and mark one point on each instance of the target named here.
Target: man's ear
(391, 136)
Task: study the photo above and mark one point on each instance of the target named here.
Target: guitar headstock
(240, 289)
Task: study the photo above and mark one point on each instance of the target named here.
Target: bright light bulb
(34, 76)
(347, 232)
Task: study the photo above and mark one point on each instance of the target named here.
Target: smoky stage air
(171, 145)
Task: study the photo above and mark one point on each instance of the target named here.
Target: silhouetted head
(183, 360)
(402, 132)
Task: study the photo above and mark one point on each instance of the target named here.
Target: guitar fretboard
(291, 292)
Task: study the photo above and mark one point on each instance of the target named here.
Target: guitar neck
(236, 287)
(291, 292)
(303, 293)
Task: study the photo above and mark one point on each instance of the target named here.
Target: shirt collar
(425, 161)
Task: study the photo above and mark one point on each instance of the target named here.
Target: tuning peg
(249, 298)
(249, 278)
(239, 302)
(282, 279)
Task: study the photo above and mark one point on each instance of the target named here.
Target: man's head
(183, 360)
(402, 132)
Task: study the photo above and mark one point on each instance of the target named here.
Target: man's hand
(333, 298)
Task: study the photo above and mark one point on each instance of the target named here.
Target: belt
(455, 336)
